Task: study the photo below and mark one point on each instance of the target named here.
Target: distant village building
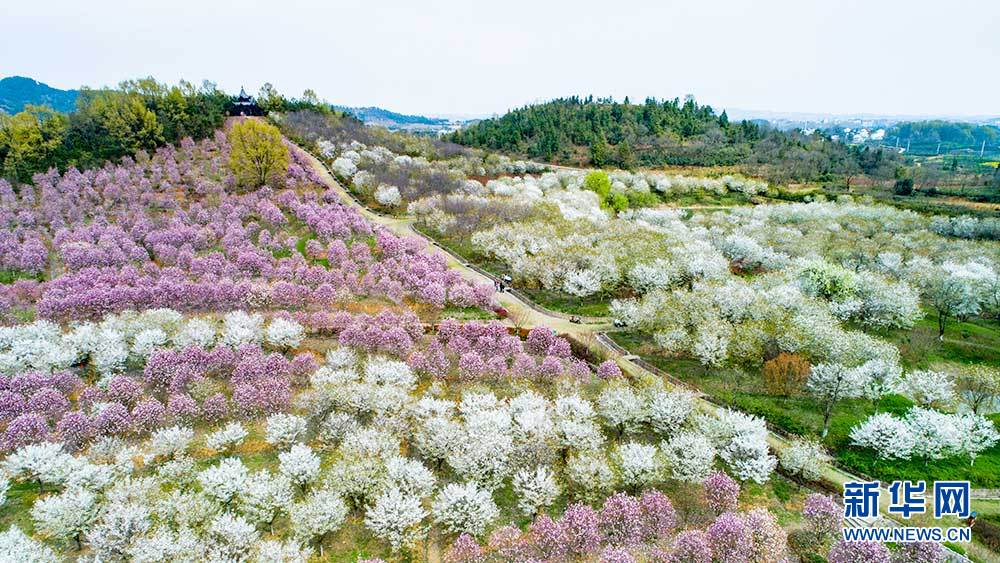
(244, 104)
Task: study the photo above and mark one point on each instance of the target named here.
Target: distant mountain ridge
(380, 116)
(19, 91)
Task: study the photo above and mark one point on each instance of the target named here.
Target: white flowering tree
(284, 334)
(226, 438)
(464, 508)
(388, 196)
(283, 430)
(396, 518)
(222, 482)
(638, 464)
(741, 441)
(13, 542)
(929, 388)
(667, 411)
(409, 476)
(239, 327)
(689, 456)
(831, 383)
(230, 537)
(535, 489)
(879, 377)
(118, 527)
(622, 408)
(170, 442)
(889, 436)
(590, 474)
(805, 458)
(67, 515)
(195, 332)
(299, 465)
(320, 514)
(44, 463)
(264, 496)
(926, 433)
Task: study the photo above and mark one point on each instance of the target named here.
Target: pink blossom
(691, 546)
(215, 408)
(621, 520)
(858, 552)
(609, 370)
(822, 514)
(658, 515)
(721, 492)
(113, 420)
(730, 535)
(26, 429)
(75, 429)
(580, 523)
(549, 538)
(465, 549)
(147, 416)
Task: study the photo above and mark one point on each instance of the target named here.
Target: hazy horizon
(449, 58)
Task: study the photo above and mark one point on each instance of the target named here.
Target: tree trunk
(826, 418)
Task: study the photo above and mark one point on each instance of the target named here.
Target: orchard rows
(194, 371)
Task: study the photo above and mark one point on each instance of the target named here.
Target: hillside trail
(528, 315)
(532, 315)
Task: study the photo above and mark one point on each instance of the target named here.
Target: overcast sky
(468, 57)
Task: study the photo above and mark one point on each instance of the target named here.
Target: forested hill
(378, 115)
(604, 132)
(19, 91)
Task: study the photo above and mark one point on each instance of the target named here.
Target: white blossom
(638, 464)
(240, 328)
(263, 496)
(395, 518)
(929, 388)
(45, 462)
(689, 456)
(231, 537)
(668, 411)
(321, 513)
(148, 340)
(889, 436)
(226, 438)
(804, 457)
(299, 465)
(621, 407)
(222, 482)
(387, 195)
(195, 332)
(67, 515)
(344, 167)
(590, 472)
(464, 507)
(283, 430)
(409, 476)
(165, 545)
(169, 442)
(16, 547)
(119, 526)
(284, 333)
(274, 551)
(535, 489)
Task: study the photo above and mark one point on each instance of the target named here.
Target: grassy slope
(966, 342)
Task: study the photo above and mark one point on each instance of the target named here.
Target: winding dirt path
(532, 315)
(528, 315)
